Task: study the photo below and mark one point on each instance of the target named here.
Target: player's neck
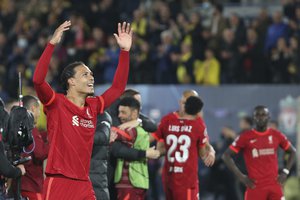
(77, 99)
(260, 129)
(189, 117)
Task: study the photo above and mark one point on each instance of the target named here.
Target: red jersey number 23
(180, 145)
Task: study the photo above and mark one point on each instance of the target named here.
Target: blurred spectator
(278, 29)
(220, 176)
(237, 26)
(294, 65)
(208, 72)
(280, 59)
(165, 72)
(253, 67)
(218, 25)
(228, 57)
(185, 64)
(261, 24)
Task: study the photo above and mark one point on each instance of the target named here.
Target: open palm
(57, 35)
(124, 36)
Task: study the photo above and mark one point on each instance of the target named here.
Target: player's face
(126, 114)
(261, 117)
(83, 80)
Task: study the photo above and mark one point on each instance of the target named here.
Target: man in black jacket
(6, 169)
(104, 156)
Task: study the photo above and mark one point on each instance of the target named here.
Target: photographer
(6, 169)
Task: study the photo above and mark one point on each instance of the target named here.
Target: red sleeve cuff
(157, 138)
(287, 146)
(51, 100)
(102, 104)
(123, 52)
(122, 133)
(234, 149)
(50, 45)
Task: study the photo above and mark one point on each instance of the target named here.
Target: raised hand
(56, 38)
(124, 36)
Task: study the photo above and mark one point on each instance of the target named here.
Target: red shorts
(270, 192)
(59, 187)
(31, 195)
(131, 193)
(180, 193)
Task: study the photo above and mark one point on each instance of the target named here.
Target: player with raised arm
(71, 117)
(184, 139)
(259, 146)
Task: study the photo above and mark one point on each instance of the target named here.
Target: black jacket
(6, 169)
(100, 155)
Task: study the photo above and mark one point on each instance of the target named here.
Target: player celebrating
(71, 118)
(259, 147)
(184, 139)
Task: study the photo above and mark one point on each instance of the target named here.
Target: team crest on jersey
(270, 139)
(254, 153)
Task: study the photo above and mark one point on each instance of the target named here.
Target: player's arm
(207, 154)
(43, 89)
(227, 158)
(124, 39)
(160, 146)
(120, 150)
(147, 124)
(291, 151)
(41, 148)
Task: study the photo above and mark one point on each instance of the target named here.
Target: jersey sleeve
(203, 137)
(158, 134)
(238, 144)
(284, 143)
(120, 80)
(43, 89)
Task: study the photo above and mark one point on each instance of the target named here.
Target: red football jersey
(183, 138)
(71, 133)
(260, 153)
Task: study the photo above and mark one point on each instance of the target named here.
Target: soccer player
(184, 138)
(259, 146)
(71, 117)
(33, 181)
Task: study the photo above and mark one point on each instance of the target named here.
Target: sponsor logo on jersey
(82, 122)
(262, 152)
(75, 120)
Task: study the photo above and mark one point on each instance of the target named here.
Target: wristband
(286, 171)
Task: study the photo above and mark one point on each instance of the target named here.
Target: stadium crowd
(175, 42)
